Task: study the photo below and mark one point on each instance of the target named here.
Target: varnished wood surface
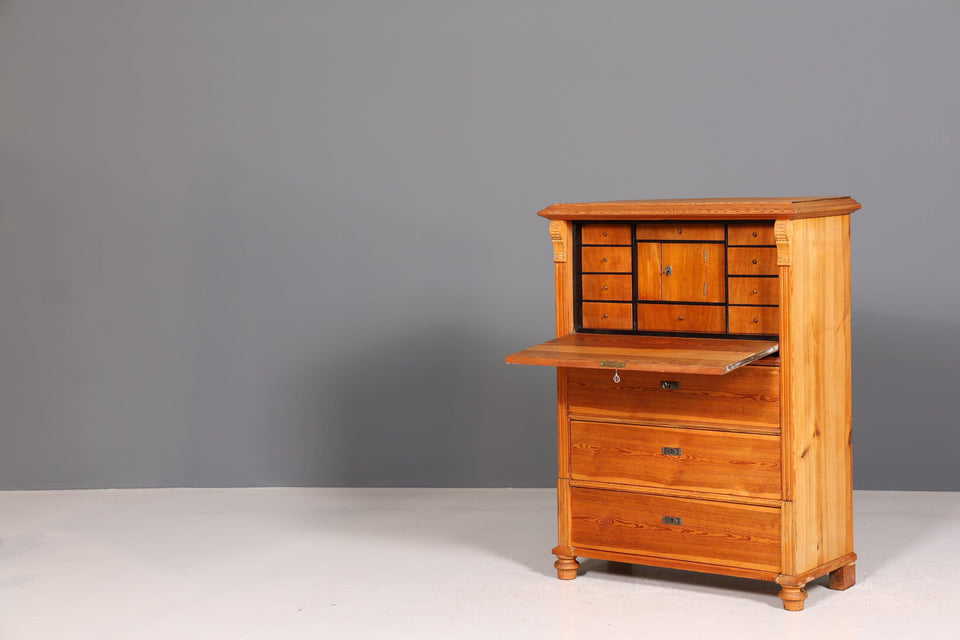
(606, 234)
(703, 209)
(679, 231)
(753, 291)
(708, 461)
(815, 329)
(752, 261)
(681, 318)
(673, 563)
(697, 272)
(679, 493)
(645, 353)
(606, 286)
(746, 398)
(606, 259)
(715, 532)
(649, 271)
(750, 233)
(607, 315)
(756, 320)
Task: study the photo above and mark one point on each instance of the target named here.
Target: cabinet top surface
(704, 209)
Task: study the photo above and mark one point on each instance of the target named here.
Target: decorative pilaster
(558, 233)
(783, 231)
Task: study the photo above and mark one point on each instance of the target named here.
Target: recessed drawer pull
(672, 451)
(669, 384)
(672, 520)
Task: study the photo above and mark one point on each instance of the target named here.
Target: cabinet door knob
(605, 234)
(605, 287)
(606, 260)
(668, 270)
(679, 230)
(607, 316)
(754, 292)
(756, 320)
(754, 260)
(754, 234)
(680, 318)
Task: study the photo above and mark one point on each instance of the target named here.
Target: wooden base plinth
(793, 598)
(844, 577)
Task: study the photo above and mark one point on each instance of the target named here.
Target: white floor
(423, 563)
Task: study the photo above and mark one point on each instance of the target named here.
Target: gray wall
(289, 243)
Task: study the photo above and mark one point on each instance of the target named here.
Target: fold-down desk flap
(645, 353)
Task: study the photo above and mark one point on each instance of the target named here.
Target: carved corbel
(558, 233)
(783, 231)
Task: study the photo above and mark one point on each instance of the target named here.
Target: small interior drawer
(682, 528)
(753, 290)
(752, 261)
(684, 318)
(679, 231)
(606, 287)
(605, 234)
(606, 259)
(743, 464)
(607, 315)
(762, 320)
(750, 233)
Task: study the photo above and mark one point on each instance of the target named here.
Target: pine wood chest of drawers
(703, 387)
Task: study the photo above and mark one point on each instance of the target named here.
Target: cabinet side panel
(561, 232)
(815, 357)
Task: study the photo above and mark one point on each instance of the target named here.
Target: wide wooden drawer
(750, 233)
(679, 231)
(606, 259)
(753, 290)
(745, 399)
(720, 533)
(752, 261)
(742, 464)
(604, 286)
(607, 315)
(685, 318)
(763, 320)
(605, 234)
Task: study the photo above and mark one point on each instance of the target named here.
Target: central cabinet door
(681, 272)
(692, 272)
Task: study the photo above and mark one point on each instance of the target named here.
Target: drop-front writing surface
(693, 339)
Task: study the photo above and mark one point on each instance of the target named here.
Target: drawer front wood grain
(697, 530)
(763, 320)
(747, 398)
(752, 261)
(606, 287)
(607, 315)
(605, 234)
(711, 461)
(679, 231)
(688, 318)
(753, 290)
(605, 259)
(750, 233)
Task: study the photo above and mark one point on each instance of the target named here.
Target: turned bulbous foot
(844, 577)
(793, 598)
(566, 567)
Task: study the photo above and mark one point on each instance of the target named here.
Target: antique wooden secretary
(703, 386)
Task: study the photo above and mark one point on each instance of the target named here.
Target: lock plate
(669, 384)
(672, 451)
(672, 520)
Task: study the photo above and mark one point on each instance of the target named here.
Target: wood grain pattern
(750, 233)
(704, 209)
(746, 398)
(707, 461)
(753, 291)
(681, 318)
(648, 271)
(758, 320)
(606, 259)
(815, 330)
(679, 231)
(715, 532)
(673, 563)
(752, 261)
(606, 287)
(606, 234)
(645, 353)
(607, 315)
(697, 272)
(734, 498)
